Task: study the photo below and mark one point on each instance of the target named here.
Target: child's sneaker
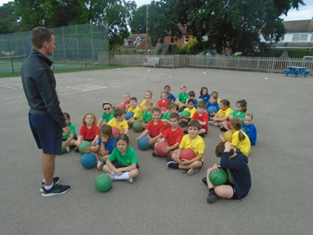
(204, 180)
(57, 189)
(67, 149)
(223, 129)
(100, 165)
(76, 150)
(192, 171)
(154, 154)
(172, 165)
(213, 123)
(56, 180)
(212, 197)
(130, 180)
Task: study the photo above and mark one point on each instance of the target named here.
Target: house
(299, 35)
(137, 42)
(179, 41)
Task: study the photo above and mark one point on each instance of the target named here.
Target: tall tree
(139, 19)
(8, 21)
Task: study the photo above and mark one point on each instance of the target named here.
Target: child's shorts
(75, 138)
(117, 165)
(235, 195)
(47, 133)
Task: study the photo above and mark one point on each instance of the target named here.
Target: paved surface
(163, 201)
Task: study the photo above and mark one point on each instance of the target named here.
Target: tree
(138, 22)
(8, 21)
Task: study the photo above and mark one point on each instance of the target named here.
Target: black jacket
(40, 87)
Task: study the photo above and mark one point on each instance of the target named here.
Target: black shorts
(235, 195)
(117, 165)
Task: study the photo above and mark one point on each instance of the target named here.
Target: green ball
(103, 182)
(218, 178)
(137, 126)
(84, 144)
(63, 150)
(185, 113)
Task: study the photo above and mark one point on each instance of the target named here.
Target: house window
(304, 37)
(295, 38)
(172, 39)
(186, 38)
(312, 38)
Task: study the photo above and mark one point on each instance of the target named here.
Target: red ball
(159, 149)
(187, 154)
(115, 131)
(121, 105)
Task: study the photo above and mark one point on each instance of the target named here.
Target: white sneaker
(192, 171)
(67, 149)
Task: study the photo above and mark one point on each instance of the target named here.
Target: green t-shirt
(127, 159)
(147, 117)
(182, 98)
(166, 116)
(240, 116)
(72, 132)
(107, 117)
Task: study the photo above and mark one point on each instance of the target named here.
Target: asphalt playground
(163, 201)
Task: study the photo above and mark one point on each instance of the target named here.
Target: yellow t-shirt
(227, 112)
(143, 105)
(191, 111)
(244, 146)
(137, 112)
(120, 125)
(197, 145)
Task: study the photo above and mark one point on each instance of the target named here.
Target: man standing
(46, 118)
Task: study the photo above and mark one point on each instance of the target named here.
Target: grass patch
(5, 75)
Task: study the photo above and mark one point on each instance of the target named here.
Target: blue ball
(129, 115)
(88, 160)
(143, 143)
(211, 109)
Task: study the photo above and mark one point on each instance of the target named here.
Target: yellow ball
(228, 135)
(220, 115)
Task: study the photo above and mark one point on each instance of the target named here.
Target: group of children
(163, 122)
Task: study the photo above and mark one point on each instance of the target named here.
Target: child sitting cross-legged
(122, 164)
(190, 141)
(172, 135)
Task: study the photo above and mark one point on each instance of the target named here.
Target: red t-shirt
(173, 137)
(89, 134)
(126, 103)
(203, 118)
(155, 129)
(162, 104)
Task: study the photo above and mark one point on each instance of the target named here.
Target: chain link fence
(77, 46)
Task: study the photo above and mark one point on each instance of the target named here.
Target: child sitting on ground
(148, 96)
(170, 97)
(105, 145)
(134, 108)
(192, 95)
(240, 140)
(239, 182)
(191, 109)
(107, 115)
(212, 102)
(162, 103)
(171, 108)
(204, 94)
(126, 100)
(155, 128)
(224, 108)
(202, 117)
(69, 140)
(147, 115)
(122, 164)
(119, 120)
(249, 128)
(191, 141)
(172, 135)
(239, 113)
(182, 98)
(89, 131)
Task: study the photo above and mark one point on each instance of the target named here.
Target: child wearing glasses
(107, 115)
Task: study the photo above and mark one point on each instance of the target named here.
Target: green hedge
(293, 53)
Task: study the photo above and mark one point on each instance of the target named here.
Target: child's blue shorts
(47, 133)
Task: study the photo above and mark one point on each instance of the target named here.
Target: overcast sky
(304, 12)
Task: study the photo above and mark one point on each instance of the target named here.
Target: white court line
(12, 102)
(13, 97)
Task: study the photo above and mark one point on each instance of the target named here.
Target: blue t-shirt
(215, 105)
(251, 132)
(171, 97)
(205, 98)
(110, 145)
